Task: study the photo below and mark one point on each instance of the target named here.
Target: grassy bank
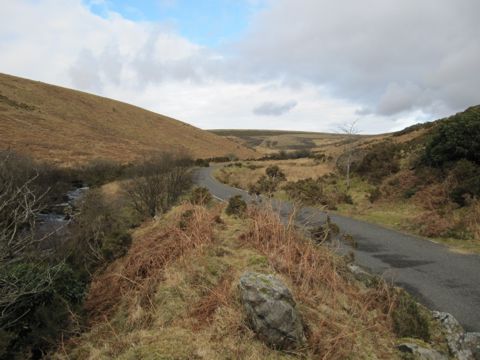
(175, 293)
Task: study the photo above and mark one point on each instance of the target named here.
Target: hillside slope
(67, 126)
(272, 141)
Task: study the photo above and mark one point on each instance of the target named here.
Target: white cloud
(392, 56)
(270, 108)
(386, 63)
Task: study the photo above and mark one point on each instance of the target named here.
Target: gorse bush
(455, 138)
(322, 191)
(380, 161)
(200, 196)
(268, 183)
(274, 172)
(466, 176)
(236, 206)
(307, 191)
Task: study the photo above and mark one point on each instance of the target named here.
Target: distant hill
(270, 141)
(67, 126)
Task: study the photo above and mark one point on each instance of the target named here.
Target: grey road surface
(440, 279)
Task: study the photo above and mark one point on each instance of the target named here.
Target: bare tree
(19, 208)
(351, 131)
(160, 181)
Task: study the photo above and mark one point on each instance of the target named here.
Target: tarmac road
(439, 278)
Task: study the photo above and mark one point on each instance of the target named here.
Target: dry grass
(341, 316)
(66, 127)
(175, 294)
(242, 177)
(270, 141)
(138, 273)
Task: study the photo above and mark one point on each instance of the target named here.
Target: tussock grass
(142, 269)
(175, 294)
(340, 315)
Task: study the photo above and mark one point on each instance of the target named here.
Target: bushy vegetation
(307, 191)
(268, 183)
(320, 191)
(466, 176)
(174, 295)
(380, 161)
(100, 171)
(236, 206)
(37, 301)
(415, 127)
(202, 162)
(158, 182)
(454, 139)
(200, 196)
(44, 276)
(296, 154)
(99, 232)
(410, 319)
(37, 288)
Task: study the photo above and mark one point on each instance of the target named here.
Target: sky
(310, 65)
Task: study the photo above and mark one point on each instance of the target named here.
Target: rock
(472, 342)
(421, 353)
(360, 274)
(463, 346)
(271, 310)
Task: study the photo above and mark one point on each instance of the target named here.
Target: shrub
(98, 232)
(380, 161)
(185, 219)
(455, 138)
(159, 183)
(325, 232)
(115, 245)
(200, 196)
(407, 194)
(100, 171)
(308, 192)
(236, 206)
(291, 155)
(409, 319)
(33, 318)
(274, 172)
(342, 197)
(202, 162)
(374, 194)
(268, 183)
(467, 177)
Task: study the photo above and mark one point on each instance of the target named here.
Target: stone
(360, 274)
(271, 311)
(472, 342)
(462, 346)
(421, 353)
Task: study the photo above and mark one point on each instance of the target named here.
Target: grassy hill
(424, 179)
(271, 141)
(66, 126)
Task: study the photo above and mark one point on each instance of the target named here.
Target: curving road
(440, 279)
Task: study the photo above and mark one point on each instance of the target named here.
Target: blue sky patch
(204, 22)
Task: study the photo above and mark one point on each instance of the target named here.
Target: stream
(56, 217)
